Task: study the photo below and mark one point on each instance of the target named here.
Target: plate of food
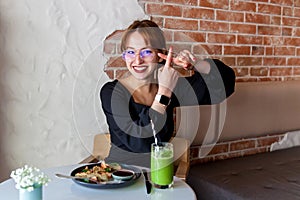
(106, 176)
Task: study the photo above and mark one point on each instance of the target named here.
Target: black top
(129, 122)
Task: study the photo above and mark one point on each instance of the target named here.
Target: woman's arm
(211, 87)
(220, 81)
(212, 82)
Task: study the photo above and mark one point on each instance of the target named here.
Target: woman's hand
(188, 61)
(184, 59)
(167, 75)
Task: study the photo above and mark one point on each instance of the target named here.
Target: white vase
(36, 194)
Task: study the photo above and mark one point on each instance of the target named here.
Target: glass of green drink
(162, 156)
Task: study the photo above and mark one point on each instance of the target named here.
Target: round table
(66, 189)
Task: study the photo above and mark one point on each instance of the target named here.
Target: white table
(66, 189)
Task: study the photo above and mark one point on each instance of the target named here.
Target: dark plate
(137, 174)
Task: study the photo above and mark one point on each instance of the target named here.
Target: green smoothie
(162, 165)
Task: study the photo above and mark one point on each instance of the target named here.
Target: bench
(256, 109)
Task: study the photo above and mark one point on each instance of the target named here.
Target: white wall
(51, 69)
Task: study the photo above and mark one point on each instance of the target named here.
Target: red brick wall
(259, 39)
(232, 149)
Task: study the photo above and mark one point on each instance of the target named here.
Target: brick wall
(259, 39)
(232, 149)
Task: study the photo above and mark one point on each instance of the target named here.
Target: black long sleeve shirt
(129, 122)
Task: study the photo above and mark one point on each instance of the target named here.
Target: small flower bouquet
(29, 178)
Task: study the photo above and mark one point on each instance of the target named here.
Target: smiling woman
(153, 89)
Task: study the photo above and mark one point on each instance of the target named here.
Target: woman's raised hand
(167, 75)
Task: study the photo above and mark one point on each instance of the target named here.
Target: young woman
(153, 89)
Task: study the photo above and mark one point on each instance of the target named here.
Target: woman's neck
(143, 91)
(133, 84)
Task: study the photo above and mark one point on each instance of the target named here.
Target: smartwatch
(163, 99)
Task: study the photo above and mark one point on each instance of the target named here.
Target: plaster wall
(51, 70)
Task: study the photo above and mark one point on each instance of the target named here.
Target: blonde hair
(150, 31)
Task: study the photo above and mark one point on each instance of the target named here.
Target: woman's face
(141, 60)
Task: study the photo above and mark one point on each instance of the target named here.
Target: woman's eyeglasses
(146, 54)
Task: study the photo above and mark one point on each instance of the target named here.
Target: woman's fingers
(169, 58)
(185, 58)
(189, 55)
(163, 56)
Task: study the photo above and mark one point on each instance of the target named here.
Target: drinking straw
(153, 131)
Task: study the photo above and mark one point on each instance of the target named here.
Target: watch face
(164, 100)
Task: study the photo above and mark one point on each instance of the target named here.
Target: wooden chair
(102, 146)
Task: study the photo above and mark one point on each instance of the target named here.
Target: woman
(153, 89)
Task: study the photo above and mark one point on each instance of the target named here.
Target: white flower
(29, 178)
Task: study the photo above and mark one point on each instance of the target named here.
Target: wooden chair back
(101, 148)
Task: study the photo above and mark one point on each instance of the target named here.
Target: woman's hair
(150, 31)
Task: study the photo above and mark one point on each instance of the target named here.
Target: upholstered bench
(272, 175)
(254, 110)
